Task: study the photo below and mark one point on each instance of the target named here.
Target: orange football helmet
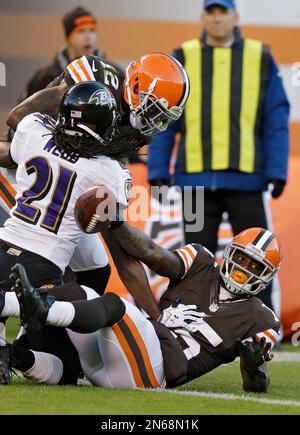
(263, 248)
(156, 90)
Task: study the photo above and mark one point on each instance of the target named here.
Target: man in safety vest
(234, 135)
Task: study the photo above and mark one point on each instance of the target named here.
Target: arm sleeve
(187, 256)
(275, 127)
(194, 257)
(84, 69)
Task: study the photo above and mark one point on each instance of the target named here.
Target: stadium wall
(30, 34)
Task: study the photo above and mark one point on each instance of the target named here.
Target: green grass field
(219, 392)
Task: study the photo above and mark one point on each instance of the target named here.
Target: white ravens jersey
(48, 184)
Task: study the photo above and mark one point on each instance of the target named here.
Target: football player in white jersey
(149, 97)
(56, 162)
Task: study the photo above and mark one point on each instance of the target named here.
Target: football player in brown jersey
(234, 322)
(209, 313)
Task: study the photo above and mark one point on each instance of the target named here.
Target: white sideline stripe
(280, 356)
(227, 397)
(286, 357)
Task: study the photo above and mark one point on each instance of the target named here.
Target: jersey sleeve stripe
(188, 255)
(268, 340)
(88, 67)
(192, 251)
(83, 69)
(74, 74)
(270, 335)
(7, 192)
(184, 259)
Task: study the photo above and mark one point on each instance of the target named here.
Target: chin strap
(90, 132)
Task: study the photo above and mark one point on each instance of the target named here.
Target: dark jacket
(47, 73)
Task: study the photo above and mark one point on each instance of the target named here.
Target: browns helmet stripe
(264, 240)
(258, 237)
(268, 241)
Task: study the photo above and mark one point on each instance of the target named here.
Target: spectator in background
(80, 30)
(234, 132)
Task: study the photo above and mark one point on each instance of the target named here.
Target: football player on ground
(210, 316)
(151, 96)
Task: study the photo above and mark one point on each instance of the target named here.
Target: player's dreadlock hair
(124, 144)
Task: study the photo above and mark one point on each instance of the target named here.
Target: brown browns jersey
(94, 68)
(223, 321)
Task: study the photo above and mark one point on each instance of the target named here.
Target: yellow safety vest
(223, 113)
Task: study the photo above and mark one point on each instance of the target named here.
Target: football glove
(254, 353)
(180, 316)
(276, 188)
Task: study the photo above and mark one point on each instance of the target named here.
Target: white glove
(176, 317)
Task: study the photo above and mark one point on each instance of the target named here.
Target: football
(95, 209)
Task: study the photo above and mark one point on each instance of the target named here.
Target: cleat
(34, 306)
(5, 372)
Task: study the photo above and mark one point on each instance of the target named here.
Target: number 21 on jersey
(61, 193)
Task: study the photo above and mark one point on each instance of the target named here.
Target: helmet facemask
(254, 283)
(84, 139)
(152, 115)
